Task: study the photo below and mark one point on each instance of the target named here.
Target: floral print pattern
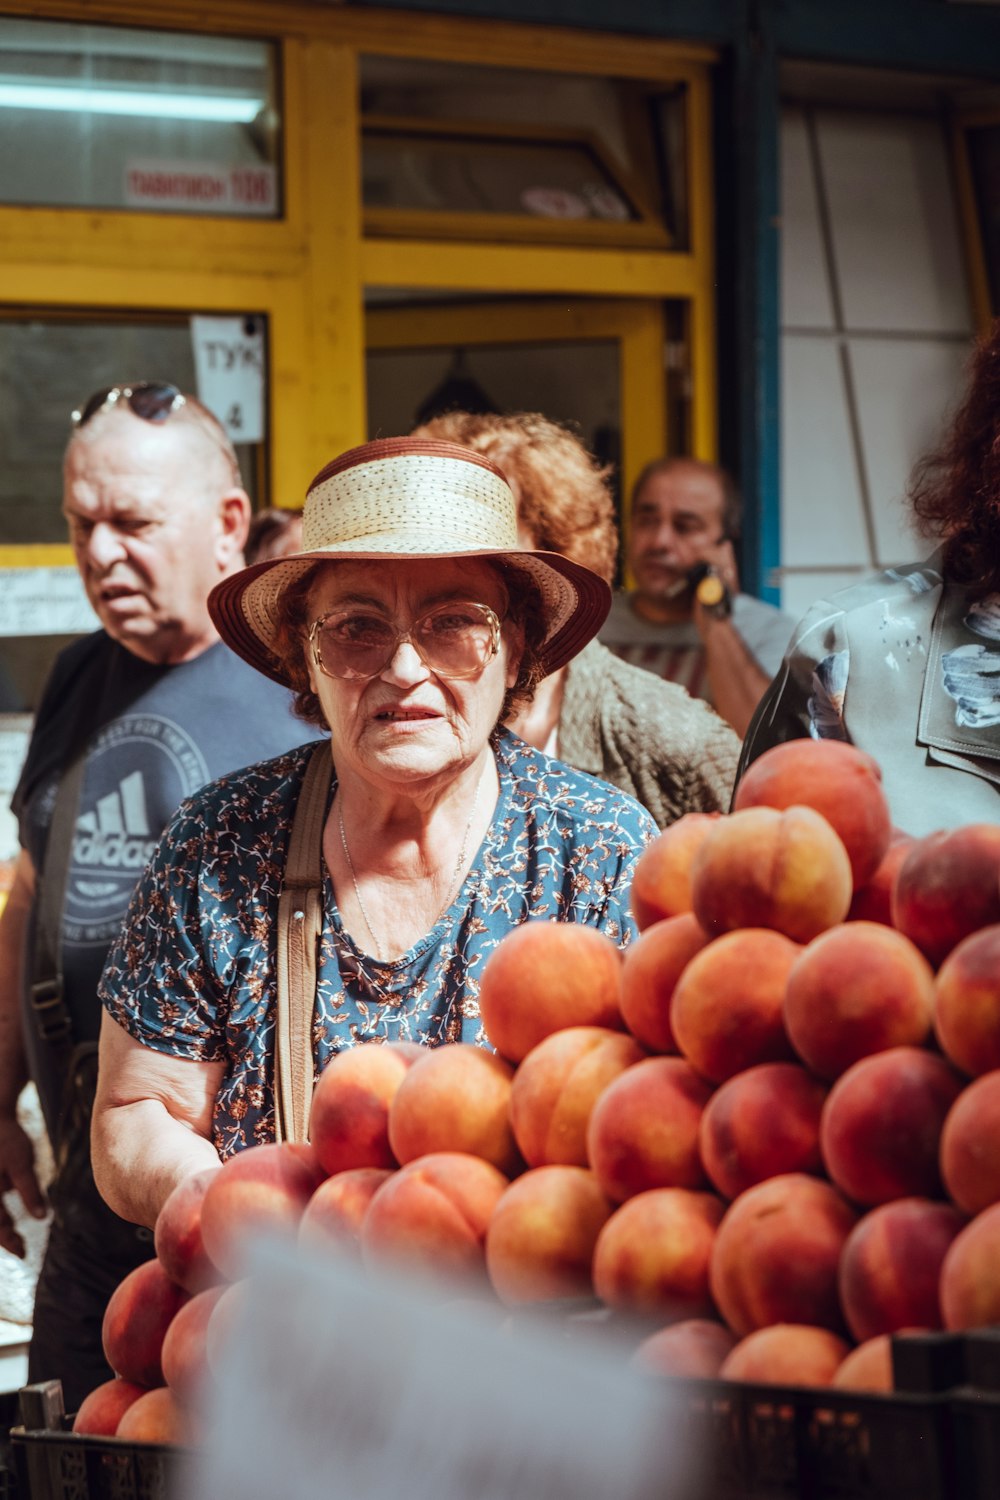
(193, 973)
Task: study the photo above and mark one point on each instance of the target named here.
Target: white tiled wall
(876, 329)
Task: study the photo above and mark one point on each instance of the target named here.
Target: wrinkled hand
(17, 1174)
(723, 560)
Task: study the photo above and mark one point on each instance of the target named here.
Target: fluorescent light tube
(232, 110)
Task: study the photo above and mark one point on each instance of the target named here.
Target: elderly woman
(411, 624)
(648, 737)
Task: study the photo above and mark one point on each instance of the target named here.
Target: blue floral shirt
(193, 973)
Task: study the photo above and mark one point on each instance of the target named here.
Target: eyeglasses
(453, 640)
(152, 400)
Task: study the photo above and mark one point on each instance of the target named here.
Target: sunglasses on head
(152, 400)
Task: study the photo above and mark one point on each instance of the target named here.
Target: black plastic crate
(66, 1466)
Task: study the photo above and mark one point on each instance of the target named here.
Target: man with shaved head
(134, 718)
(686, 619)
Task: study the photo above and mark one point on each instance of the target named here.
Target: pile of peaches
(761, 1141)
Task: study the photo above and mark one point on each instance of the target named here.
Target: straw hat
(399, 498)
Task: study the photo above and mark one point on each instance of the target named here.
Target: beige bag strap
(300, 923)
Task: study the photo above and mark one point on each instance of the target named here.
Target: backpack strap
(300, 923)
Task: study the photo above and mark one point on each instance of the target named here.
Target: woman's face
(408, 727)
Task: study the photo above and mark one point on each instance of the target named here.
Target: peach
(661, 880)
(652, 1255)
(261, 1191)
(856, 989)
(728, 1006)
(970, 1274)
(541, 1238)
(432, 1215)
(177, 1235)
(694, 1348)
(335, 1212)
(349, 1119)
(762, 1123)
(652, 966)
(881, 1125)
(555, 1089)
(967, 1003)
(891, 1266)
(156, 1417)
(764, 868)
(544, 976)
(868, 1367)
(455, 1098)
(139, 1312)
(643, 1130)
(835, 779)
(970, 1161)
(947, 887)
(872, 902)
(776, 1254)
(234, 1307)
(786, 1354)
(102, 1409)
(184, 1359)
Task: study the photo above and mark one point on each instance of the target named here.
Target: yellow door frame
(308, 271)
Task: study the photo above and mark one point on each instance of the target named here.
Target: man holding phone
(686, 618)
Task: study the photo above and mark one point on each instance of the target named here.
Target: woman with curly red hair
(906, 665)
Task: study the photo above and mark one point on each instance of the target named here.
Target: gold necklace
(456, 877)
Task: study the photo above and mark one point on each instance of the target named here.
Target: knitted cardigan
(646, 736)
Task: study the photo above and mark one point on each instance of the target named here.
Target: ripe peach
(967, 1003)
(970, 1161)
(177, 1235)
(858, 988)
(868, 1367)
(643, 1130)
(335, 1212)
(661, 880)
(652, 1255)
(881, 1125)
(695, 1349)
(156, 1417)
(764, 868)
(262, 1191)
(455, 1098)
(970, 1274)
(786, 1354)
(872, 902)
(653, 964)
(727, 1011)
(432, 1215)
(777, 1251)
(139, 1312)
(233, 1309)
(102, 1409)
(541, 1238)
(185, 1361)
(555, 1089)
(835, 779)
(947, 887)
(349, 1120)
(544, 976)
(760, 1124)
(891, 1265)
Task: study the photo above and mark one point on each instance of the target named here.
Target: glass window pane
(116, 117)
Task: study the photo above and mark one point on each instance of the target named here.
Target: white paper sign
(202, 187)
(364, 1388)
(229, 366)
(14, 731)
(44, 601)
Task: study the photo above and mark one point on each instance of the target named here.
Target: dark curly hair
(955, 490)
(525, 608)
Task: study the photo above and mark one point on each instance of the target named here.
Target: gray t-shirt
(675, 651)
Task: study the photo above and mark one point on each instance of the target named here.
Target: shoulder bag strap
(48, 1003)
(300, 923)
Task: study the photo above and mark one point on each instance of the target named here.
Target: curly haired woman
(906, 664)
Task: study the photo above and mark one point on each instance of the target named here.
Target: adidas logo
(117, 836)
